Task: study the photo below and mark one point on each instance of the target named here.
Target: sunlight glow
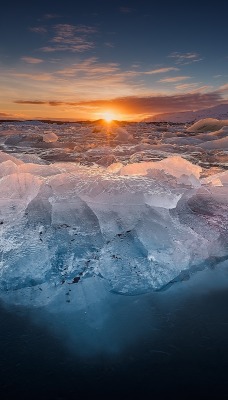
(108, 116)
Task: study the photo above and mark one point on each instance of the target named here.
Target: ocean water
(172, 343)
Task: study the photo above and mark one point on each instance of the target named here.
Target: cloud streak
(43, 76)
(160, 103)
(72, 38)
(161, 70)
(5, 115)
(2, 114)
(187, 86)
(142, 105)
(38, 29)
(174, 79)
(91, 67)
(185, 58)
(32, 60)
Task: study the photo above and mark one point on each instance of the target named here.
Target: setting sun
(108, 116)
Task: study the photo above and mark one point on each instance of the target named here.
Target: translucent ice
(136, 227)
(175, 166)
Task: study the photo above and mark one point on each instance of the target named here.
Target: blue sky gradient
(76, 60)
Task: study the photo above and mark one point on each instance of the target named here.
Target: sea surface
(179, 348)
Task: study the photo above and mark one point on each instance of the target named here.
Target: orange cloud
(141, 105)
(174, 79)
(160, 70)
(32, 60)
(187, 86)
(30, 102)
(224, 87)
(5, 115)
(34, 77)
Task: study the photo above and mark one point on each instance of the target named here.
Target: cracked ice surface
(129, 227)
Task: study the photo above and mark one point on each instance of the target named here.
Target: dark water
(185, 355)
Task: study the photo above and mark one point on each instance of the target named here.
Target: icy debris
(20, 186)
(50, 137)
(206, 213)
(16, 192)
(115, 167)
(39, 170)
(207, 125)
(189, 180)
(106, 160)
(167, 200)
(220, 179)
(215, 144)
(122, 135)
(130, 142)
(223, 132)
(8, 168)
(29, 158)
(7, 157)
(175, 166)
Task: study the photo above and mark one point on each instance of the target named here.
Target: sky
(80, 60)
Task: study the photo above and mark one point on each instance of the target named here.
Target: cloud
(91, 67)
(87, 83)
(2, 114)
(85, 29)
(174, 79)
(185, 58)
(202, 89)
(38, 29)
(73, 38)
(10, 115)
(66, 33)
(32, 60)
(30, 102)
(79, 46)
(41, 102)
(187, 86)
(224, 87)
(34, 77)
(87, 78)
(161, 70)
(142, 105)
(152, 104)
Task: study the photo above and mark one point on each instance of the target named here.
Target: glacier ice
(130, 227)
